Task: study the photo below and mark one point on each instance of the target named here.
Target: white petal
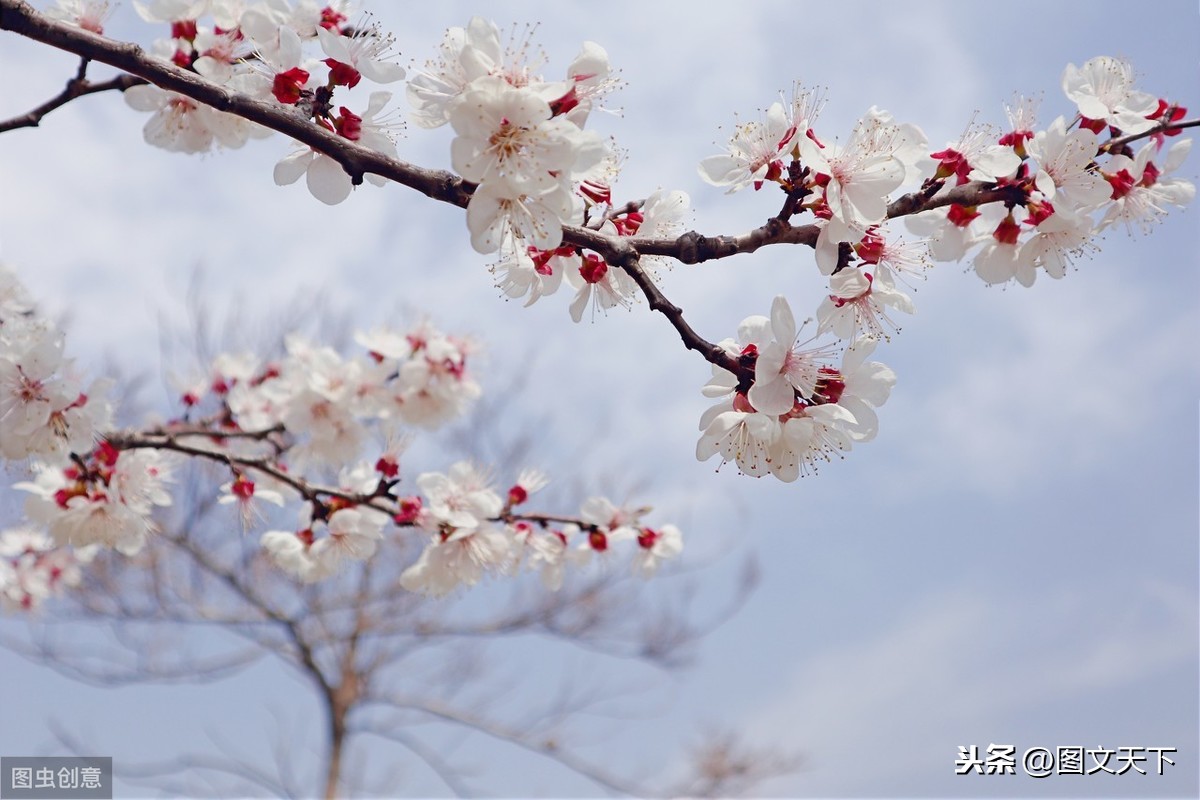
(782, 322)
(327, 181)
(289, 170)
(381, 71)
(334, 45)
(145, 98)
(772, 397)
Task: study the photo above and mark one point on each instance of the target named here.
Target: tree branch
(519, 738)
(311, 491)
(79, 86)
(622, 252)
(21, 18)
(1162, 127)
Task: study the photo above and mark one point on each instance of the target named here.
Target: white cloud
(1049, 380)
(887, 711)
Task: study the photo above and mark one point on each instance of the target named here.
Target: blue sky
(1013, 560)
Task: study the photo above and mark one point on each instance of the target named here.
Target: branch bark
(77, 87)
(624, 252)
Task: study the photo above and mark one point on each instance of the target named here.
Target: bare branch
(1162, 127)
(438, 765)
(547, 748)
(152, 772)
(77, 87)
(724, 767)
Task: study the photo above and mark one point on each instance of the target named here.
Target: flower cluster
(473, 531)
(302, 56)
(517, 135)
(519, 138)
(527, 271)
(1014, 201)
(274, 425)
(1021, 201)
(45, 409)
(1060, 187)
(328, 404)
(33, 569)
(326, 535)
(1042, 195)
(790, 407)
(104, 498)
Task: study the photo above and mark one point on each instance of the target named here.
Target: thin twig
(79, 86)
(1162, 127)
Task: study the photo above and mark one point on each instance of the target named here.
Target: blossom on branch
(44, 408)
(1103, 90)
(105, 499)
(857, 178)
(87, 14)
(539, 189)
(1142, 191)
(798, 409)
(756, 152)
(34, 569)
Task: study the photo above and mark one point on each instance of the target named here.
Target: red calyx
(830, 385)
(1121, 182)
(1016, 140)
(647, 538)
(287, 86)
(1168, 112)
(105, 453)
(331, 20)
(342, 74)
(348, 124)
(1149, 175)
(183, 29)
(242, 488)
(541, 258)
(63, 496)
(1007, 231)
(410, 509)
(599, 193)
(951, 162)
(594, 268)
(1038, 212)
(628, 224)
(787, 136)
(598, 541)
(272, 371)
(962, 215)
(565, 103)
(870, 249)
(336, 504)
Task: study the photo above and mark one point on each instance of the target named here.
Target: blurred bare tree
(384, 663)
